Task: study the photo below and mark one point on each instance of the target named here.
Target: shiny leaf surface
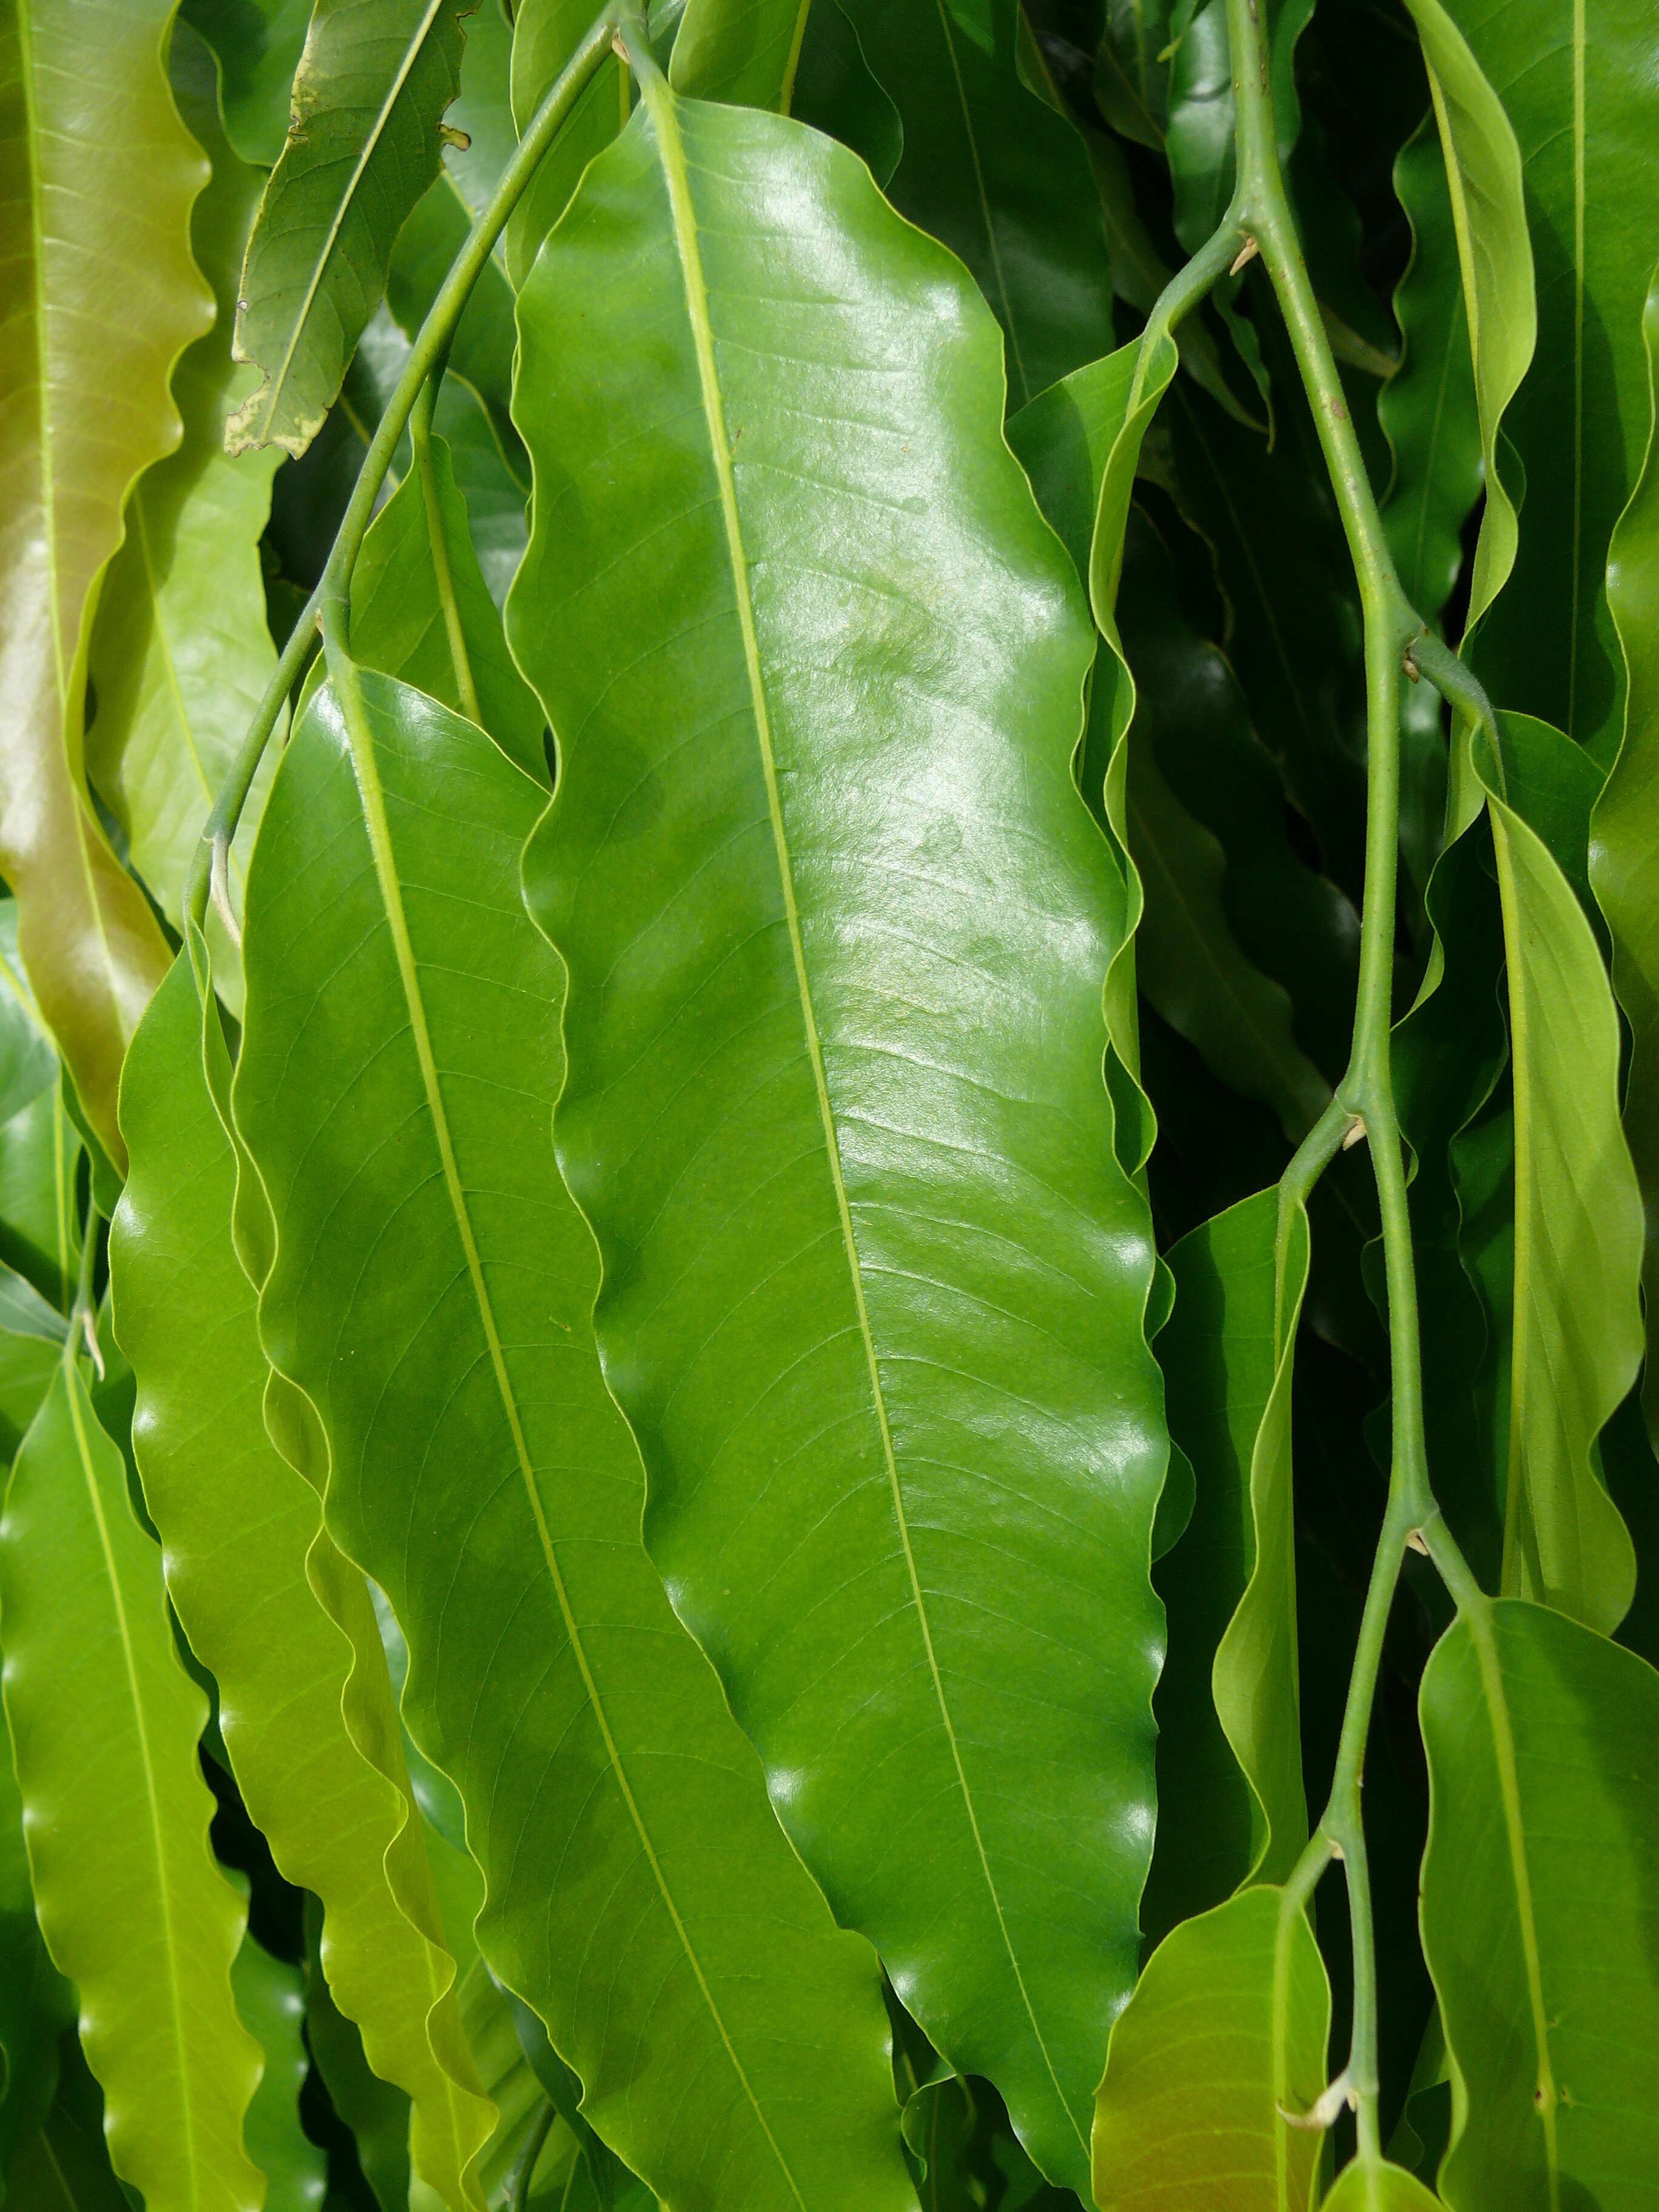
(837, 924)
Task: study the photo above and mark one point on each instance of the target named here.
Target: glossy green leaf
(104, 1726)
(1199, 124)
(24, 1312)
(98, 298)
(1373, 2186)
(1427, 409)
(1224, 2035)
(1540, 1900)
(1624, 861)
(1580, 85)
(40, 1212)
(376, 2111)
(65, 2166)
(259, 43)
(29, 1065)
(271, 2001)
(1577, 1342)
(1484, 174)
(640, 1893)
(546, 33)
(370, 97)
(836, 91)
(835, 1057)
(36, 2004)
(180, 653)
(994, 171)
(1218, 1356)
(268, 1603)
(742, 51)
(481, 350)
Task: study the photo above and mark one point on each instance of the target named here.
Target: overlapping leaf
(258, 45)
(97, 298)
(835, 1105)
(546, 33)
(432, 1294)
(744, 50)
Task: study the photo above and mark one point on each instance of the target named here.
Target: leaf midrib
(367, 777)
(663, 108)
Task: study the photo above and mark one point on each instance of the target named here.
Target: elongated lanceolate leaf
(98, 297)
(1577, 1341)
(999, 177)
(837, 926)
(180, 653)
(1539, 1904)
(1483, 172)
(270, 2000)
(1427, 408)
(1224, 2035)
(546, 33)
(364, 143)
(1624, 857)
(104, 1727)
(284, 1623)
(432, 1294)
(1580, 84)
(36, 2004)
(742, 51)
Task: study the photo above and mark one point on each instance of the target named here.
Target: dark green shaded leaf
(835, 1105)
(546, 34)
(29, 1065)
(742, 51)
(36, 2004)
(271, 2001)
(258, 43)
(836, 91)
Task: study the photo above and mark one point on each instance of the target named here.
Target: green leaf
(837, 92)
(259, 43)
(742, 51)
(1484, 174)
(1224, 2036)
(546, 34)
(1427, 408)
(1578, 1343)
(270, 2000)
(24, 1312)
(481, 350)
(1373, 2186)
(1579, 86)
(97, 299)
(40, 1212)
(375, 2111)
(994, 171)
(29, 1065)
(639, 1893)
(365, 143)
(65, 2166)
(836, 1039)
(269, 1605)
(1217, 1357)
(36, 2003)
(180, 654)
(1539, 1896)
(104, 1726)
(1624, 866)
(482, 111)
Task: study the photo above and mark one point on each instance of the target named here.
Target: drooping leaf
(180, 653)
(1577, 1341)
(1224, 2036)
(1427, 409)
(36, 2004)
(546, 33)
(270, 2002)
(432, 1294)
(1216, 1351)
(999, 177)
(1580, 85)
(104, 1726)
(1483, 175)
(29, 1065)
(785, 870)
(742, 51)
(1540, 1900)
(1624, 866)
(98, 298)
(836, 91)
(259, 43)
(369, 96)
(268, 1603)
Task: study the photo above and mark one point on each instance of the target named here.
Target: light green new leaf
(269, 1605)
(1224, 2035)
(1483, 170)
(546, 34)
(364, 143)
(837, 924)
(98, 297)
(432, 1295)
(105, 1724)
(259, 43)
(1540, 1897)
(1427, 408)
(742, 51)
(180, 653)
(271, 2002)
(1624, 857)
(1579, 81)
(1577, 1341)
(1216, 1352)
(996, 173)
